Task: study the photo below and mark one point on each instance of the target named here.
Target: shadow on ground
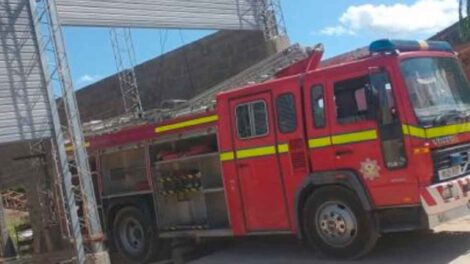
(429, 248)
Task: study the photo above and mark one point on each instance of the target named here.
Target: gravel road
(449, 244)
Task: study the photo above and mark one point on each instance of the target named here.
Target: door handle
(343, 152)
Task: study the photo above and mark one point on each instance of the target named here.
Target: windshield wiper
(442, 118)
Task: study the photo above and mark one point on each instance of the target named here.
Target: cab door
(257, 163)
(318, 127)
(367, 135)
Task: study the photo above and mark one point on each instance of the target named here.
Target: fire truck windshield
(438, 89)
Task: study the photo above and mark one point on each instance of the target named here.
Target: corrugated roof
(24, 111)
(200, 14)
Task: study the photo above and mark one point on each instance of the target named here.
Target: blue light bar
(389, 45)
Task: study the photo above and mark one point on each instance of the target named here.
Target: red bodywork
(261, 187)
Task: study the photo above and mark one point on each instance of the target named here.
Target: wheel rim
(336, 224)
(132, 236)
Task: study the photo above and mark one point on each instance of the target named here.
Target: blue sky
(341, 25)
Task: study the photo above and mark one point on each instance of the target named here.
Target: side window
(350, 98)
(318, 106)
(243, 121)
(391, 134)
(287, 118)
(252, 119)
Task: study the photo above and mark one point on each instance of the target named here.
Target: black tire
(342, 218)
(135, 236)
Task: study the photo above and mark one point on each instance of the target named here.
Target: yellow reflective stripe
(436, 132)
(319, 142)
(313, 143)
(414, 131)
(227, 156)
(405, 129)
(443, 131)
(69, 147)
(354, 137)
(256, 152)
(342, 139)
(283, 148)
(193, 122)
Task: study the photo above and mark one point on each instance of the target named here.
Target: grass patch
(13, 220)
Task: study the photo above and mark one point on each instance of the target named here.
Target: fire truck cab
(342, 153)
(336, 153)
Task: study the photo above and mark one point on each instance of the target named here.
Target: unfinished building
(33, 68)
(182, 73)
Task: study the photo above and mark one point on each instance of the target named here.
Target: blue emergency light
(389, 45)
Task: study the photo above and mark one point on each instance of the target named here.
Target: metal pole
(62, 161)
(91, 216)
(124, 56)
(73, 117)
(3, 230)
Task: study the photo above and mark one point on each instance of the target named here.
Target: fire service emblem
(370, 169)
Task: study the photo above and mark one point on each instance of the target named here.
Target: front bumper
(446, 201)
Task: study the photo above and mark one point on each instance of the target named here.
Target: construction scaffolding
(124, 56)
(53, 199)
(54, 61)
(272, 19)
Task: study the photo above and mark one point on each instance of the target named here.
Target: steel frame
(271, 19)
(124, 56)
(57, 74)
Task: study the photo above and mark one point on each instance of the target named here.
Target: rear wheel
(335, 223)
(135, 236)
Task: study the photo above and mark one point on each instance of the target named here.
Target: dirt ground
(449, 244)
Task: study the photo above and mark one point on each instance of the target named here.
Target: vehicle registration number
(445, 174)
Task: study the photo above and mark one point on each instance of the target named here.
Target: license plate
(448, 173)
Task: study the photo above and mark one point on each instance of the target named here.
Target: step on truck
(335, 152)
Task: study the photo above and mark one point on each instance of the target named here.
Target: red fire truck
(335, 153)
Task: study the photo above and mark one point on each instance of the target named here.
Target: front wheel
(335, 223)
(135, 236)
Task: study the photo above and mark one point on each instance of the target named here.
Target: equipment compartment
(188, 184)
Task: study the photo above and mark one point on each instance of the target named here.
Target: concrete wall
(180, 74)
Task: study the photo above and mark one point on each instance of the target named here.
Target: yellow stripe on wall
(189, 123)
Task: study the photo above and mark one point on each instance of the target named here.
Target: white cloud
(422, 17)
(88, 78)
(336, 31)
